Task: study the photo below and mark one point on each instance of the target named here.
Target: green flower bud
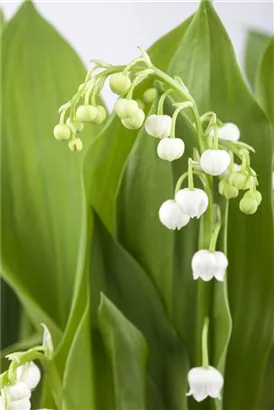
(76, 125)
(119, 83)
(227, 190)
(248, 205)
(254, 195)
(101, 115)
(62, 132)
(134, 122)
(150, 95)
(86, 113)
(125, 108)
(75, 144)
(239, 179)
(141, 104)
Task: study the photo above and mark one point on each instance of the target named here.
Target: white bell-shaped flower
(19, 391)
(30, 374)
(215, 162)
(158, 126)
(204, 382)
(227, 131)
(170, 149)
(206, 265)
(23, 404)
(172, 216)
(193, 202)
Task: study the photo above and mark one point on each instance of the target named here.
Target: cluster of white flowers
(17, 396)
(159, 126)
(188, 203)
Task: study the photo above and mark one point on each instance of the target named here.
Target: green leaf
(218, 85)
(135, 296)
(103, 165)
(128, 353)
(255, 46)
(264, 86)
(78, 370)
(41, 180)
(10, 316)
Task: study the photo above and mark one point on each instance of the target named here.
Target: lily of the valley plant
(219, 155)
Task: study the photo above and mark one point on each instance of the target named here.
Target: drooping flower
(193, 202)
(158, 126)
(205, 382)
(172, 216)
(62, 132)
(248, 205)
(119, 83)
(229, 132)
(125, 108)
(22, 404)
(29, 373)
(136, 121)
(214, 162)
(170, 149)
(19, 391)
(86, 113)
(206, 265)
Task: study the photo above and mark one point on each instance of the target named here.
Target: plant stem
(213, 241)
(205, 361)
(171, 82)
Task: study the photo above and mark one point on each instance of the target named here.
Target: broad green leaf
(10, 316)
(128, 353)
(103, 165)
(79, 369)
(255, 46)
(264, 85)
(41, 190)
(219, 87)
(119, 276)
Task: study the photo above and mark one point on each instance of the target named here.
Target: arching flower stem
(205, 361)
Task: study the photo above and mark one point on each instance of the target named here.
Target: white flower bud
(23, 404)
(134, 122)
(75, 144)
(170, 149)
(30, 374)
(172, 216)
(227, 131)
(206, 265)
(62, 132)
(193, 202)
(214, 162)
(86, 113)
(158, 126)
(47, 342)
(204, 382)
(125, 108)
(19, 391)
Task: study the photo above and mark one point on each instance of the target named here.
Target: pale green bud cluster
(227, 190)
(62, 132)
(250, 202)
(129, 112)
(239, 180)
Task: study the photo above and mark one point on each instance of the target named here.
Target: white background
(112, 30)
